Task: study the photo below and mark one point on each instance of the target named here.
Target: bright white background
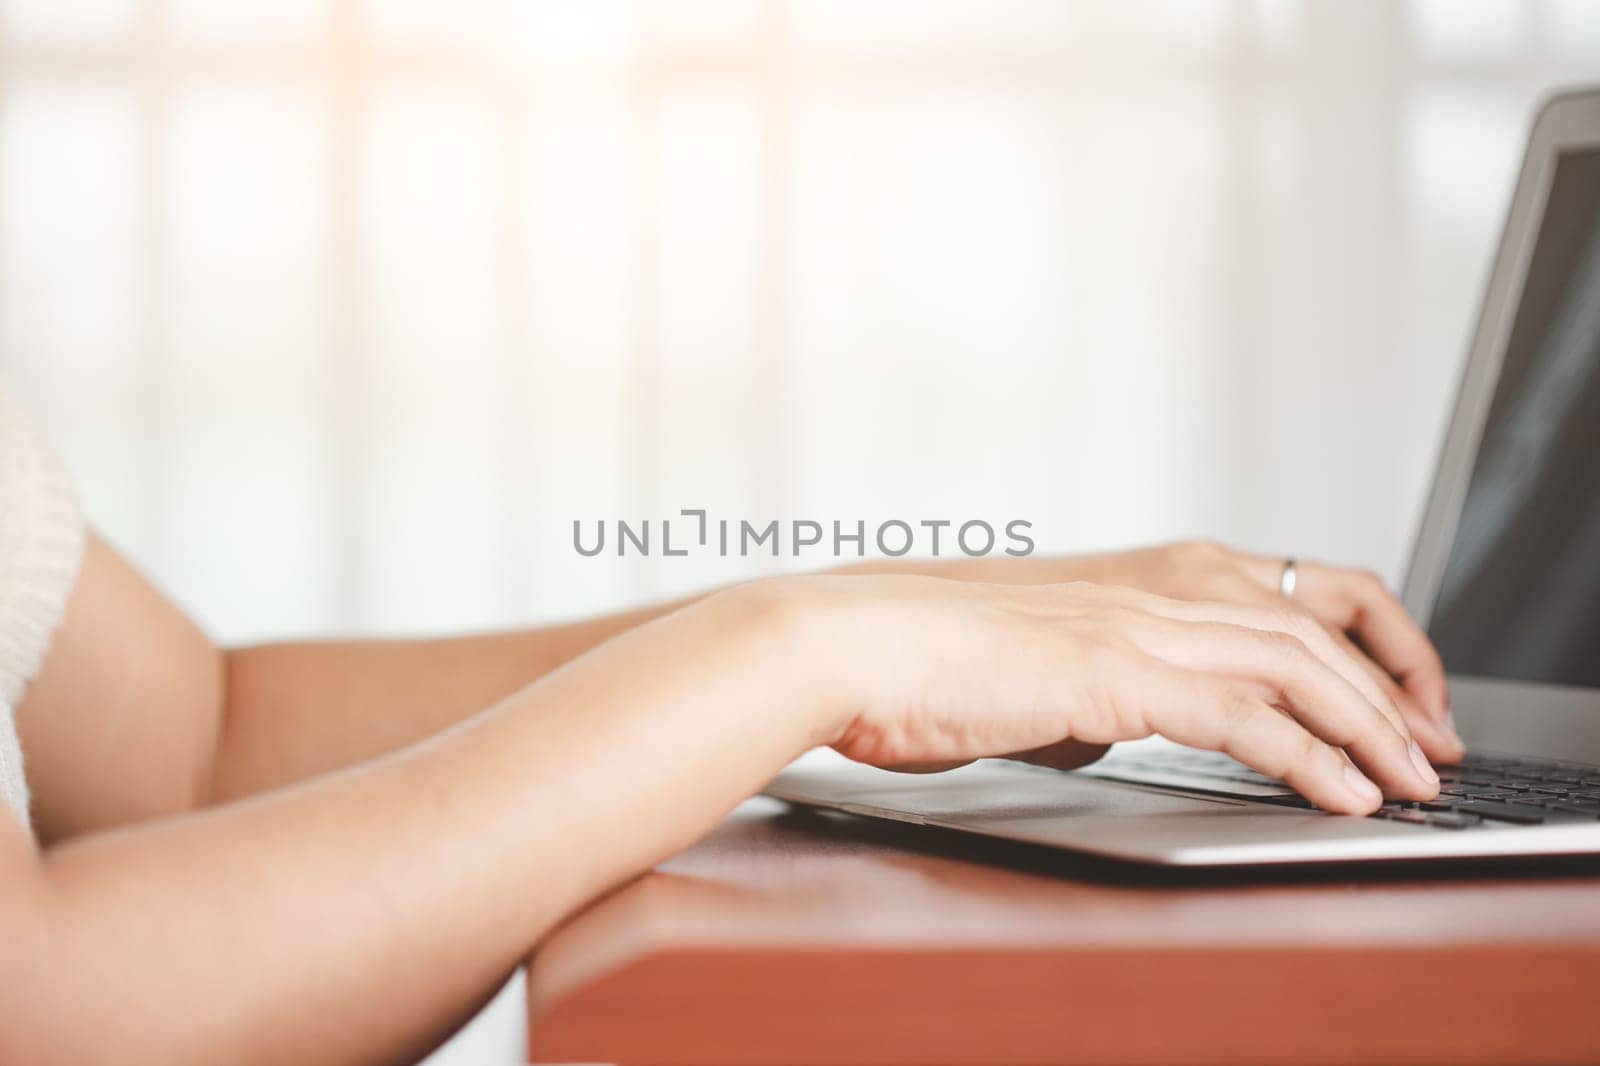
(343, 312)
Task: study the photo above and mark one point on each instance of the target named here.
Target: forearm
(295, 710)
(362, 914)
(291, 711)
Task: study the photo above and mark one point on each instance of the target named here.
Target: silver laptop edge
(1145, 822)
(1551, 721)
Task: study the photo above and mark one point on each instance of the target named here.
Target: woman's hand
(1356, 608)
(929, 673)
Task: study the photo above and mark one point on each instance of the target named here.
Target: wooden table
(793, 936)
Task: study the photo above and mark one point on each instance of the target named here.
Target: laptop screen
(1520, 595)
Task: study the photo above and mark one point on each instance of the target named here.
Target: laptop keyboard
(1488, 791)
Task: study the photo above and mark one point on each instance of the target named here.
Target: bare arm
(129, 673)
(122, 722)
(361, 915)
(294, 710)
(289, 711)
(235, 722)
(358, 916)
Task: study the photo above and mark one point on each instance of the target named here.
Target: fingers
(1281, 670)
(1436, 734)
(1209, 712)
(1358, 602)
(1278, 616)
(1439, 742)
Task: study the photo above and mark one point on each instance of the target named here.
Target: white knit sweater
(41, 546)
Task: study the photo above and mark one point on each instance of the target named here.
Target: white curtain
(343, 313)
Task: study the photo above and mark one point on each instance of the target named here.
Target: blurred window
(345, 310)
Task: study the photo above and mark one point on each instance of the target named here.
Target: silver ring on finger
(1288, 579)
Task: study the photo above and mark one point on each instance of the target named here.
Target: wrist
(797, 641)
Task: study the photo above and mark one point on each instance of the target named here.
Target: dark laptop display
(1520, 595)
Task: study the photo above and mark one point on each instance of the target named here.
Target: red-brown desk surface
(793, 937)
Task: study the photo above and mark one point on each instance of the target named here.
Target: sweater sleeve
(41, 548)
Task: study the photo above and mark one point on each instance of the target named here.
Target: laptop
(1505, 576)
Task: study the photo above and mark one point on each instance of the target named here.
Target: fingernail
(1424, 768)
(1357, 782)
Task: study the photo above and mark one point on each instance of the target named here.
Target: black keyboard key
(1443, 803)
(1578, 800)
(1557, 808)
(1592, 810)
(1400, 814)
(1490, 793)
(1519, 813)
